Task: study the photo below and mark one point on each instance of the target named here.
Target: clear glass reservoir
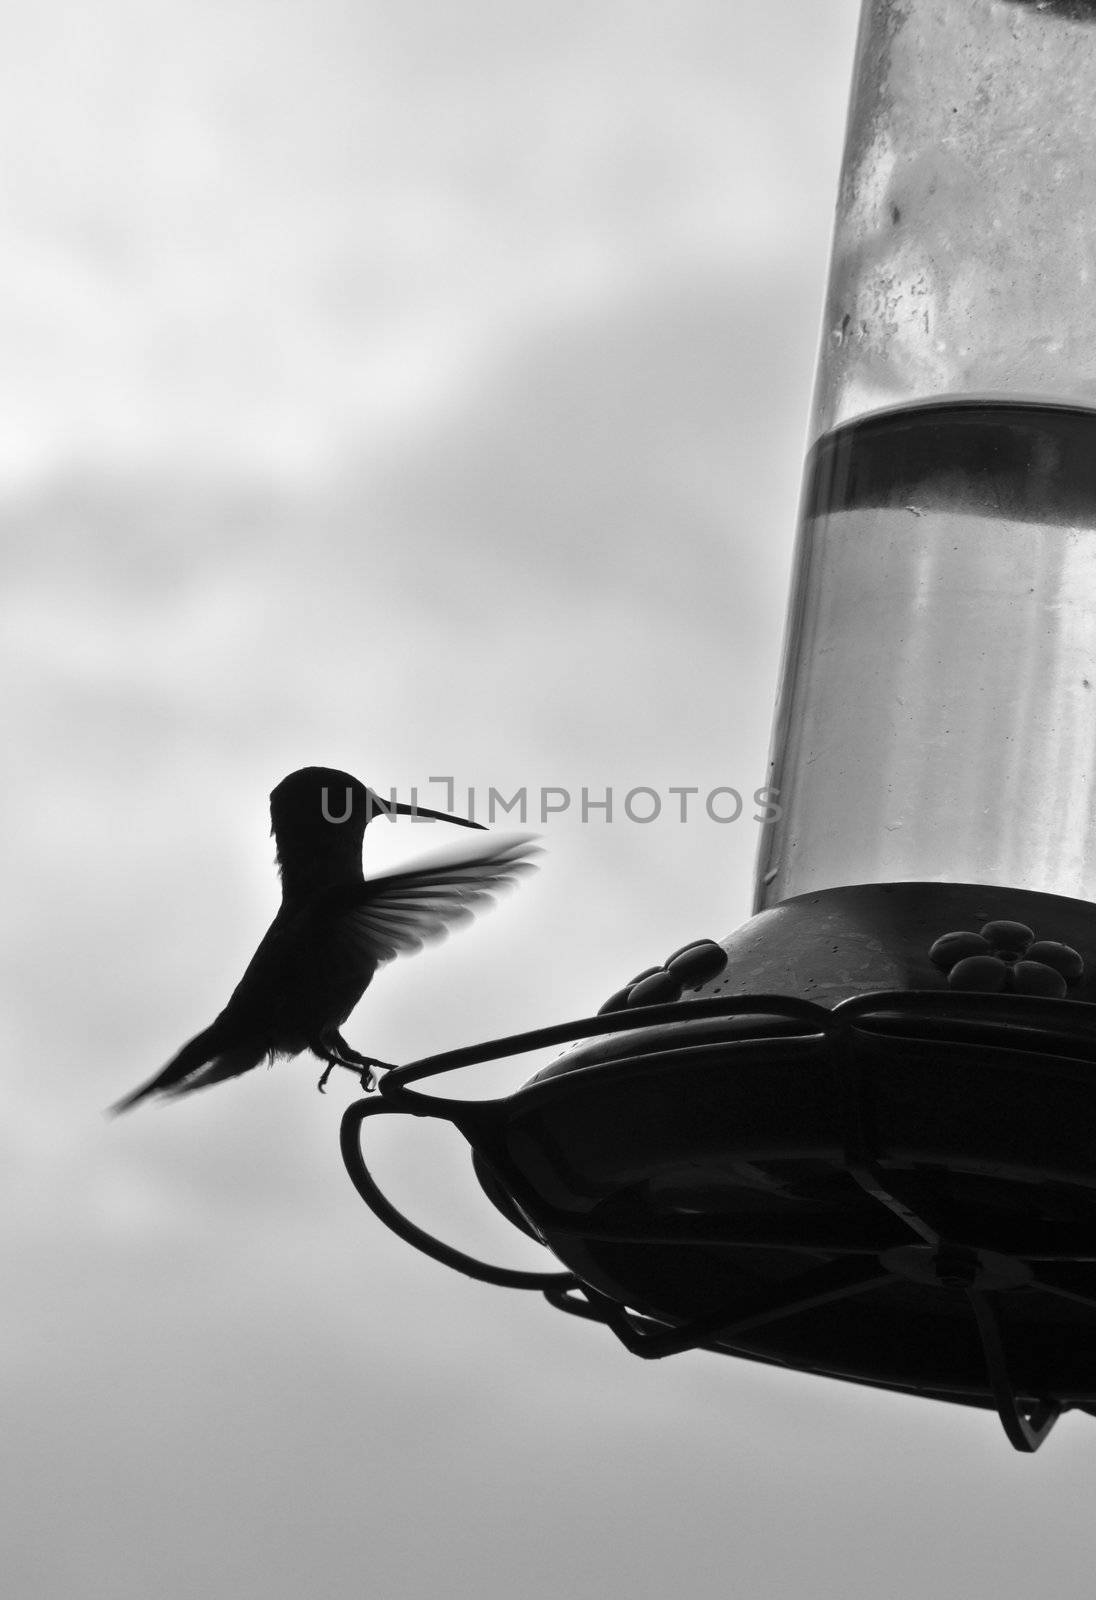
(937, 712)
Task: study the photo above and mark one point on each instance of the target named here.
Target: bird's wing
(398, 913)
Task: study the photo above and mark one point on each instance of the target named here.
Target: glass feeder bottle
(936, 721)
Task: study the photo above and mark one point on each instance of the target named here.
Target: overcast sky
(418, 388)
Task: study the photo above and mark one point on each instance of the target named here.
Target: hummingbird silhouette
(334, 928)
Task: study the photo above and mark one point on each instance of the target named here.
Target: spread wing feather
(398, 913)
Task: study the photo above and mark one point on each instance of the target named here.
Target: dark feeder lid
(838, 1153)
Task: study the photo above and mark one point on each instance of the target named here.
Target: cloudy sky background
(417, 388)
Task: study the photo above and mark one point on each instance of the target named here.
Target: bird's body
(333, 929)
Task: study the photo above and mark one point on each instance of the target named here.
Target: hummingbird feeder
(857, 1137)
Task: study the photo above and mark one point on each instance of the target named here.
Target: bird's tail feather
(208, 1058)
(229, 1064)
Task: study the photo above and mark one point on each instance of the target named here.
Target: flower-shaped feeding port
(1005, 957)
(688, 969)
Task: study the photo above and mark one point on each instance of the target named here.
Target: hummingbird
(333, 929)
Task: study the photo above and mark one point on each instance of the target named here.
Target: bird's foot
(367, 1067)
(370, 1079)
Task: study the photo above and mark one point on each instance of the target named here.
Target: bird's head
(320, 809)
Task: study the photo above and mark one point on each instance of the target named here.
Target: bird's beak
(422, 811)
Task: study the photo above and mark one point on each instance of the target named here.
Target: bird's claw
(370, 1078)
(369, 1070)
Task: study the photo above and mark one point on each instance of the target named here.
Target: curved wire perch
(393, 1086)
(1058, 1016)
(465, 1115)
(382, 1207)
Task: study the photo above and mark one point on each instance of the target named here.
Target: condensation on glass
(937, 712)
